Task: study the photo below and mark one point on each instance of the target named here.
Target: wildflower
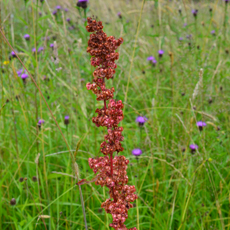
(161, 52)
(68, 20)
(6, 62)
(21, 179)
(119, 15)
(52, 45)
(13, 201)
(33, 50)
(27, 37)
(58, 7)
(136, 152)
(23, 77)
(19, 72)
(82, 3)
(181, 39)
(185, 24)
(66, 9)
(210, 9)
(200, 125)
(213, 32)
(34, 178)
(40, 49)
(66, 120)
(194, 12)
(152, 60)
(54, 12)
(180, 11)
(227, 1)
(40, 122)
(193, 148)
(141, 120)
(12, 55)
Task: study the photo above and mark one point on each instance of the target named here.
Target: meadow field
(173, 72)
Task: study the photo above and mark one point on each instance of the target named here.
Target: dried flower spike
(111, 172)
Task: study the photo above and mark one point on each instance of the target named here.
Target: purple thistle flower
(150, 58)
(185, 24)
(161, 52)
(193, 148)
(40, 49)
(51, 45)
(19, 72)
(27, 37)
(213, 32)
(181, 39)
(66, 120)
(136, 152)
(68, 20)
(200, 125)
(58, 7)
(40, 122)
(119, 15)
(82, 3)
(33, 50)
(66, 9)
(194, 12)
(54, 12)
(13, 54)
(141, 120)
(24, 76)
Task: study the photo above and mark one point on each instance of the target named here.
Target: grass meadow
(178, 189)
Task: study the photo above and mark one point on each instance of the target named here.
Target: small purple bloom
(82, 3)
(161, 52)
(19, 72)
(68, 19)
(27, 37)
(119, 15)
(82, 80)
(200, 125)
(194, 12)
(141, 120)
(181, 39)
(66, 9)
(66, 120)
(150, 58)
(40, 49)
(33, 50)
(58, 7)
(54, 12)
(213, 32)
(193, 148)
(40, 122)
(185, 24)
(13, 54)
(51, 45)
(24, 76)
(137, 152)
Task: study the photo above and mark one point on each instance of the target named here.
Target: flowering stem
(111, 172)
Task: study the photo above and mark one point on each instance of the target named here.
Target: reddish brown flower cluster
(111, 171)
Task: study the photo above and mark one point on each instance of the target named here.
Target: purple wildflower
(27, 37)
(200, 125)
(68, 20)
(40, 122)
(52, 45)
(19, 72)
(161, 52)
(136, 152)
(181, 39)
(185, 24)
(119, 15)
(54, 12)
(40, 49)
(194, 12)
(33, 50)
(193, 148)
(66, 9)
(66, 120)
(24, 76)
(150, 58)
(213, 32)
(141, 120)
(82, 3)
(58, 7)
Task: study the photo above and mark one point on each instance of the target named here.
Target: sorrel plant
(111, 171)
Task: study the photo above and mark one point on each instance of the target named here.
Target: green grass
(177, 190)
